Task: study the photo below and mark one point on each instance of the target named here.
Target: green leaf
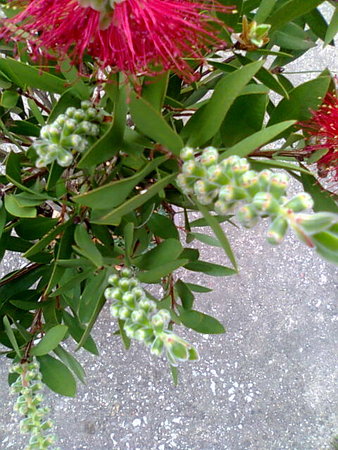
(11, 336)
(174, 374)
(13, 207)
(154, 275)
(91, 295)
(289, 11)
(35, 228)
(50, 340)
(215, 270)
(76, 330)
(302, 99)
(244, 118)
(9, 99)
(42, 243)
(260, 164)
(162, 227)
(258, 139)
(206, 122)
(21, 282)
(26, 75)
(95, 313)
(167, 250)
(114, 217)
(185, 294)
(202, 323)
(293, 37)
(57, 376)
(205, 238)
(114, 193)
(13, 166)
(125, 339)
(150, 122)
(198, 288)
(3, 219)
(154, 89)
(86, 247)
(332, 28)
(322, 199)
(317, 23)
(327, 244)
(219, 233)
(264, 10)
(71, 362)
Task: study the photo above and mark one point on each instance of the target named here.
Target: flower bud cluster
(70, 132)
(230, 182)
(143, 321)
(28, 387)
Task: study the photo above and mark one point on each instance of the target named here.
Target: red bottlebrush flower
(135, 36)
(322, 130)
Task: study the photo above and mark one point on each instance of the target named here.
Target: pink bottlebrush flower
(322, 130)
(135, 36)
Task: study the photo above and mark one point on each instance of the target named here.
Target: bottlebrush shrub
(96, 168)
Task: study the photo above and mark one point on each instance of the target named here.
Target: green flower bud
(138, 293)
(187, 153)
(124, 284)
(84, 127)
(277, 230)
(205, 199)
(64, 159)
(44, 132)
(299, 202)
(143, 334)
(70, 111)
(278, 184)
(240, 167)
(91, 113)
(217, 175)
(128, 299)
(230, 193)
(113, 279)
(54, 133)
(266, 203)
(115, 309)
(69, 127)
(80, 144)
(85, 104)
(79, 115)
(147, 305)
(202, 187)
(264, 178)
(314, 223)
(126, 272)
(94, 130)
(183, 184)
(209, 157)
(130, 328)
(124, 313)
(113, 294)
(250, 182)
(247, 215)
(139, 316)
(60, 120)
(191, 168)
(221, 207)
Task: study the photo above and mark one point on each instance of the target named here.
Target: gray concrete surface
(269, 383)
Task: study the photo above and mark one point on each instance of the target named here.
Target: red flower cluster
(322, 129)
(134, 36)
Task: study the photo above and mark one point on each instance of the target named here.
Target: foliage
(99, 164)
